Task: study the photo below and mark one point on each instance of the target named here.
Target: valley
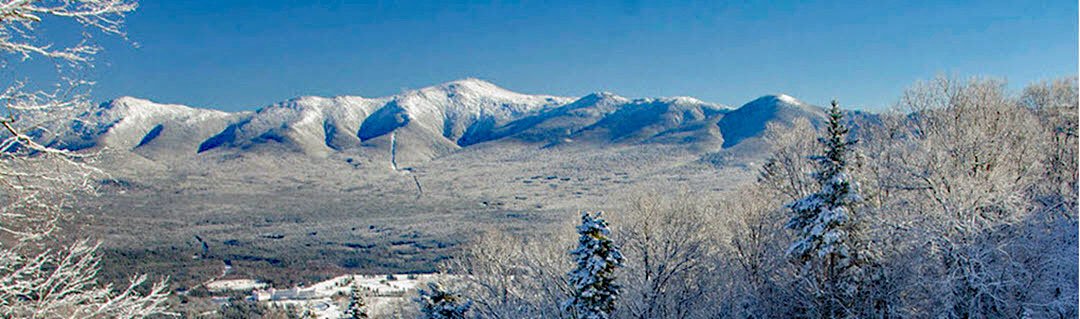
(313, 187)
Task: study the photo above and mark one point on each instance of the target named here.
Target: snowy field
(382, 293)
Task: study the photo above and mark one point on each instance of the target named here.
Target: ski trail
(393, 150)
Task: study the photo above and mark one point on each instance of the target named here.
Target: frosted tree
(39, 279)
(508, 276)
(356, 308)
(978, 185)
(665, 242)
(823, 223)
(592, 281)
(438, 303)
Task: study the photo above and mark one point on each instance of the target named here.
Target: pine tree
(593, 279)
(356, 308)
(824, 223)
(438, 303)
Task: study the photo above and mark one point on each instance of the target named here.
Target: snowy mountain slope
(469, 108)
(419, 125)
(749, 120)
(139, 125)
(602, 118)
(437, 120)
(557, 124)
(312, 125)
(427, 122)
(667, 120)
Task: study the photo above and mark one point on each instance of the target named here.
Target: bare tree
(667, 245)
(956, 175)
(39, 181)
(512, 277)
(787, 171)
(1055, 103)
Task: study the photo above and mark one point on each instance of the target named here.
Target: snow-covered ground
(381, 293)
(234, 285)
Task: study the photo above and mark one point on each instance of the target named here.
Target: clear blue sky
(244, 54)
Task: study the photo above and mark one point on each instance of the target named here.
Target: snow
(453, 108)
(750, 119)
(788, 99)
(124, 123)
(234, 285)
(687, 100)
(302, 122)
(592, 280)
(381, 292)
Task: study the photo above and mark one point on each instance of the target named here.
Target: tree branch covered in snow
(510, 277)
(19, 19)
(40, 279)
(668, 252)
(61, 284)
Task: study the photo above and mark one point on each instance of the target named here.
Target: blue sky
(244, 54)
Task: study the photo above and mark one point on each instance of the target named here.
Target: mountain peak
(683, 99)
(778, 98)
(133, 106)
(470, 86)
(750, 119)
(475, 90)
(470, 83)
(773, 102)
(787, 99)
(688, 100)
(129, 99)
(604, 95)
(127, 102)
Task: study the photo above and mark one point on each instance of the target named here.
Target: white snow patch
(788, 99)
(687, 100)
(234, 285)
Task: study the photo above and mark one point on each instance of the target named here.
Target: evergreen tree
(356, 308)
(824, 224)
(438, 303)
(593, 279)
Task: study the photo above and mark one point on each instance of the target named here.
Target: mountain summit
(749, 120)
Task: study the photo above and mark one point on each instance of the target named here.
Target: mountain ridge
(422, 124)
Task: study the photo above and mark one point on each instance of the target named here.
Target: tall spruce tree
(439, 303)
(356, 308)
(824, 223)
(593, 279)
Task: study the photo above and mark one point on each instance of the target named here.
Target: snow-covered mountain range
(392, 183)
(422, 124)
